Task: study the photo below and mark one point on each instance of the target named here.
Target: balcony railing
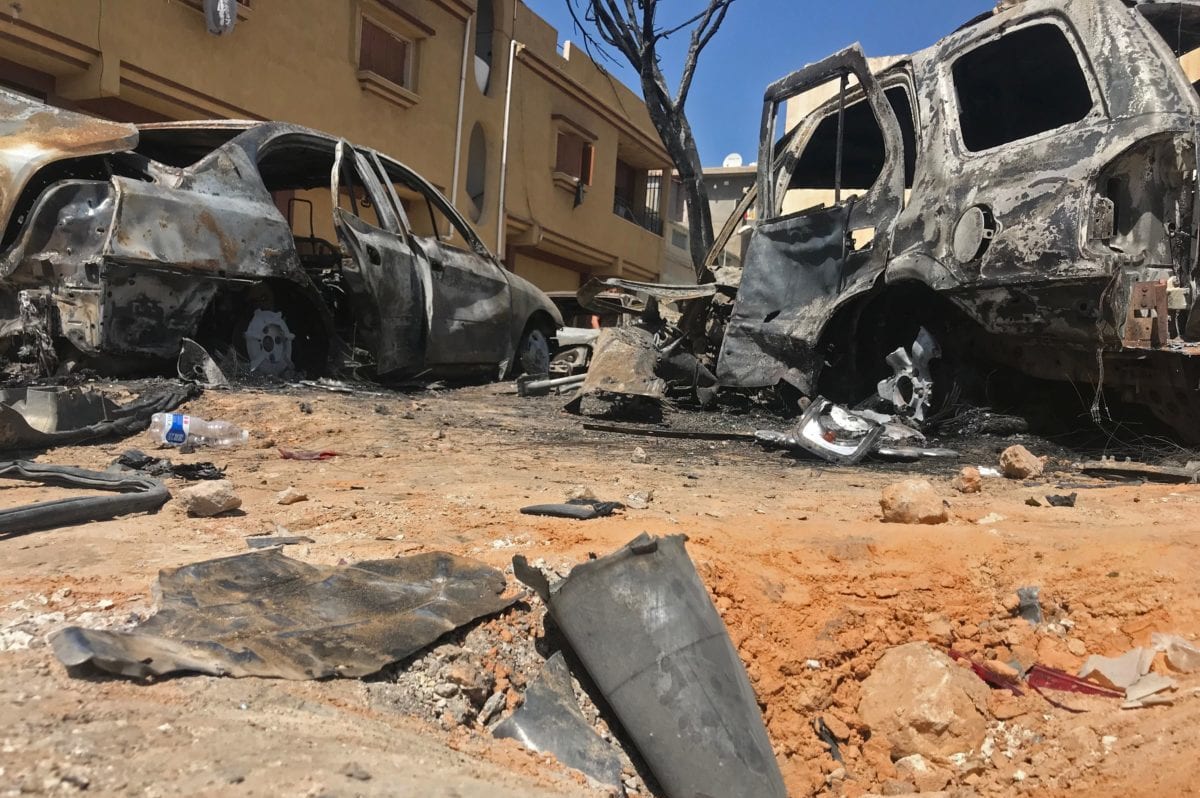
(642, 217)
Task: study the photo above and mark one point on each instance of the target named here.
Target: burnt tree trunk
(676, 135)
(633, 32)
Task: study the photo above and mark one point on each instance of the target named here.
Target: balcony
(642, 217)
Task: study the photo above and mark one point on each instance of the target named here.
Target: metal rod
(458, 127)
(837, 174)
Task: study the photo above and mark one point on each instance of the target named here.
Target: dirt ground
(813, 586)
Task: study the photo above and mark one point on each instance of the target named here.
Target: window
(477, 171)
(484, 33)
(385, 53)
(1025, 83)
(428, 211)
(863, 153)
(574, 157)
(635, 196)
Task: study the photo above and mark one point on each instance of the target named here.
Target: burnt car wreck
(292, 250)
(1022, 193)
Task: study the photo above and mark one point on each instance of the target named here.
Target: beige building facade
(550, 160)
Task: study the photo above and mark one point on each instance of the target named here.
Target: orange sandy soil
(798, 560)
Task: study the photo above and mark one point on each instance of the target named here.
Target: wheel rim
(269, 343)
(910, 388)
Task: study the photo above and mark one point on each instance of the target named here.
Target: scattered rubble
(290, 495)
(1130, 672)
(914, 501)
(968, 480)
(1182, 655)
(918, 700)
(1017, 462)
(207, 499)
(137, 460)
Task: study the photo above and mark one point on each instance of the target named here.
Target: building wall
(298, 61)
(727, 185)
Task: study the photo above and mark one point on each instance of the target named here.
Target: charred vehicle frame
(119, 241)
(1022, 192)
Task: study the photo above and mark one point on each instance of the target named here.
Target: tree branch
(629, 27)
(702, 34)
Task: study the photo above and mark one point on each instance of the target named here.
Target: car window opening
(1025, 83)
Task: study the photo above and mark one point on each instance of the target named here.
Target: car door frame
(385, 272)
(455, 339)
(795, 273)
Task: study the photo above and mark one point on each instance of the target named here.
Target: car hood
(33, 134)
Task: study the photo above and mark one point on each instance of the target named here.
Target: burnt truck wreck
(294, 250)
(1021, 193)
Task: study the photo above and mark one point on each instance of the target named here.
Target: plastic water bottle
(175, 429)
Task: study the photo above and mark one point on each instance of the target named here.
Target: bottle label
(176, 431)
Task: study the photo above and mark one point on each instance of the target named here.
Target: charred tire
(533, 351)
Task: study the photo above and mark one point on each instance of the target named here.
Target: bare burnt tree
(631, 28)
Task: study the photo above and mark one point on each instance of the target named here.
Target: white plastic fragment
(1181, 654)
(1122, 671)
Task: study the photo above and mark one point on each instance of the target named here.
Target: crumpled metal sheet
(590, 295)
(790, 266)
(264, 614)
(196, 365)
(644, 626)
(72, 415)
(621, 380)
(550, 721)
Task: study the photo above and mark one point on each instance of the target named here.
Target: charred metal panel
(1146, 324)
(64, 236)
(149, 311)
(470, 299)
(381, 271)
(211, 234)
(80, 318)
(33, 135)
(382, 277)
(791, 264)
(1041, 190)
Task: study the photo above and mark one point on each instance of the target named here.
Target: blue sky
(754, 48)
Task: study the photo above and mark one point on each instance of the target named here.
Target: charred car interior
(1020, 194)
(291, 250)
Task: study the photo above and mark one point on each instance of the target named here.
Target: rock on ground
(913, 501)
(1017, 462)
(206, 499)
(969, 480)
(291, 496)
(922, 703)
